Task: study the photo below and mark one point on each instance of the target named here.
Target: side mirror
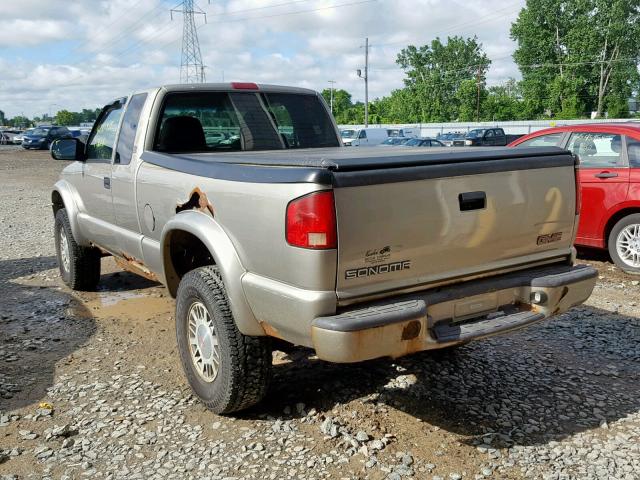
(67, 149)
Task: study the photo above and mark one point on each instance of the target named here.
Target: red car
(610, 184)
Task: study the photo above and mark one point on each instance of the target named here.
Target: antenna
(191, 67)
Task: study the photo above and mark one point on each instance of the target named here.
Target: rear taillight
(578, 188)
(311, 221)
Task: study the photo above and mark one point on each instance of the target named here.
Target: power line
(258, 8)
(487, 18)
(329, 7)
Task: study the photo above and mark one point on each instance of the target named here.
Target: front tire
(624, 244)
(227, 370)
(79, 266)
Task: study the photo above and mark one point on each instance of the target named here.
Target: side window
(549, 140)
(489, 134)
(101, 142)
(128, 129)
(633, 152)
(363, 134)
(596, 150)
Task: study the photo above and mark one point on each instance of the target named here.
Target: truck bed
(413, 218)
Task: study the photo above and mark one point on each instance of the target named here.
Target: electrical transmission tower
(191, 67)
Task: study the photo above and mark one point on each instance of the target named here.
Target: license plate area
(474, 306)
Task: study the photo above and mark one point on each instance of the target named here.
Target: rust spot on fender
(270, 330)
(127, 262)
(197, 201)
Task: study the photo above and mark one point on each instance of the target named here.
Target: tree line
(62, 117)
(576, 57)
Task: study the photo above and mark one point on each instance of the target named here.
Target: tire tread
(84, 273)
(250, 362)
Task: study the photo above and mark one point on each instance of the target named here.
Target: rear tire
(227, 370)
(79, 266)
(624, 244)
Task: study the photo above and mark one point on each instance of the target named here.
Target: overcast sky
(78, 54)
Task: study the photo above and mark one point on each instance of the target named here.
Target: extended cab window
(220, 121)
(128, 129)
(103, 139)
(596, 150)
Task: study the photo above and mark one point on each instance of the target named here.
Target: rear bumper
(448, 316)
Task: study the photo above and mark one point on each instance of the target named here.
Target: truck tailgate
(411, 226)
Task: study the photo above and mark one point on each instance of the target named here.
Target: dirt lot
(91, 387)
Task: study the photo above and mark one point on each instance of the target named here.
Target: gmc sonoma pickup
(241, 199)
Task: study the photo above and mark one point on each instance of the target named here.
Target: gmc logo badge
(549, 238)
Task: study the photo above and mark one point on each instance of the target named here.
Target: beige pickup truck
(242, 200)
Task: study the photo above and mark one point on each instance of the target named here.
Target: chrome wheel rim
(64, 250)
(203, 342)
(628, 245)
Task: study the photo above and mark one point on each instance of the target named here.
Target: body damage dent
(197, 201)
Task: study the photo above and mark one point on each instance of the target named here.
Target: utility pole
(191, 67)
(332, 83)
(366, 81)
(478, 95)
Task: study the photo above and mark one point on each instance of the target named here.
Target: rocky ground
(90, 385)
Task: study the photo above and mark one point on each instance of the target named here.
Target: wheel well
(615, 218)
(56, 202)
(183, 252)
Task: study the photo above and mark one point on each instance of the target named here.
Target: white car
(17, 139)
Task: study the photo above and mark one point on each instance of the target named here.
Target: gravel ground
(91, 387)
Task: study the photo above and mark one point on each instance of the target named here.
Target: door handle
(606, 175)
(472, 201)
(107, 182)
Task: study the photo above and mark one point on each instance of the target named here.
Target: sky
(74, 54)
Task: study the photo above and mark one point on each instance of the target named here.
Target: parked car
(41, 137)
(17, 139)
(422, 142)
(363, 137)
(448, 138)
(433, 250)
(7, 135)
(609, 173)
(394, 141)
(485, 137)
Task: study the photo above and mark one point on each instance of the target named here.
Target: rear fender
(211, 234)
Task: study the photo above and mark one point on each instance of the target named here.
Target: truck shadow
(35, 331)
(555, 379)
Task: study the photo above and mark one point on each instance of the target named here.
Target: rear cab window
(236, 121)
